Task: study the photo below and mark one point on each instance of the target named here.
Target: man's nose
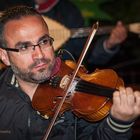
(37, 52)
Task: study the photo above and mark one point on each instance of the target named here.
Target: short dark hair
(12, 13)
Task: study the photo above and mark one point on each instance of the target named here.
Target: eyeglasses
(28, 48)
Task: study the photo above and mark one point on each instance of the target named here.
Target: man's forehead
(22, 30)
(27, 22)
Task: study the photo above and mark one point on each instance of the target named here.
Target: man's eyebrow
(28, 42)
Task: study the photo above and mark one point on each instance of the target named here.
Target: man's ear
(4, 57)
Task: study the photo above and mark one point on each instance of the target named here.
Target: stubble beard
(38, 77)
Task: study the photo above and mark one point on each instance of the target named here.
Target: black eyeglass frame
(10, 49)
(18, 50)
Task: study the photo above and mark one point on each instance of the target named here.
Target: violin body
(84, 101)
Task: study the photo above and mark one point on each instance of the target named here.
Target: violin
(89, 98)
(77, 91)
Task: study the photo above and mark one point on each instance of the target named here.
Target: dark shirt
(19, 121)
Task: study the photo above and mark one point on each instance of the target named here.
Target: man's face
(37, 65)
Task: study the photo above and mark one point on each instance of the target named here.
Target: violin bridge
(64, 83)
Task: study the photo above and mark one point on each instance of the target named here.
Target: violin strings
(91, 88)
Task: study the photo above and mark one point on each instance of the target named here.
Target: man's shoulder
(7, 92)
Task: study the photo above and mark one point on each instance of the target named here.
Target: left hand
(118, 35)
(126, 104)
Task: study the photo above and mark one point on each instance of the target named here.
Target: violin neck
(94, 89)
(87, 87)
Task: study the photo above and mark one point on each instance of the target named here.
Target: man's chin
(41, 77)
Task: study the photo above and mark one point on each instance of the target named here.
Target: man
(26, 48)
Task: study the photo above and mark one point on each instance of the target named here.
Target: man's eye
(44, 42)
(23, 47)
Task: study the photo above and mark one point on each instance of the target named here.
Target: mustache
(38, 61)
